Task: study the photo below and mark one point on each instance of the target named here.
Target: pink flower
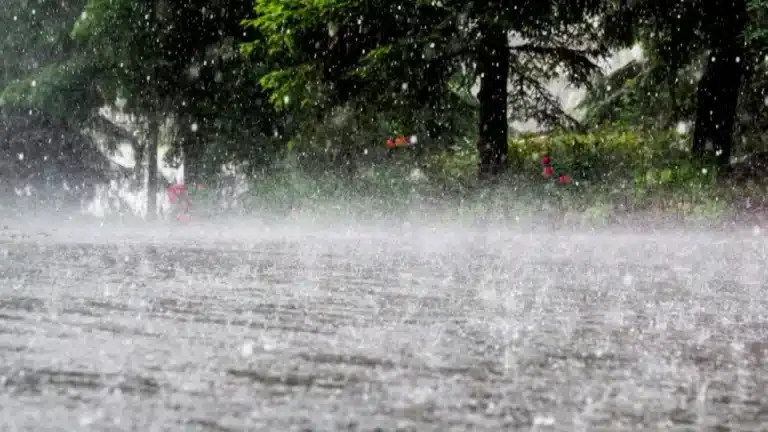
(546, 160)
(549, 171)
(564, 179)
(176, 192)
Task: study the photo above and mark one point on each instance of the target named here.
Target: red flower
(564, 179)
(549, 171)
(546, 160)
(176, 192)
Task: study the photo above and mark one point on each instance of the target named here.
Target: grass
(619, 175)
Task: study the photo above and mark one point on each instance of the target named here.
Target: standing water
(442, 328)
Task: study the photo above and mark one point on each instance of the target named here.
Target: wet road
(421, 329)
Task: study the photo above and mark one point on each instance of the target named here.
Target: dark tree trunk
(717, 95)
(493, 65)
(194, 160)
(152, 144)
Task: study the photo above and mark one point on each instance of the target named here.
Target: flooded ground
(409, 329)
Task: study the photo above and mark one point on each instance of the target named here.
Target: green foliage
(412, 56)
(623, 168)
(612, 153)
(758, 30)
(328, 63)
(658, 90)
(642, 93)
(616, 171)
(42, 69)
(384, 192)
(325, 82)
(699, 60)
(46, 100)
(63, 90)
(130, 39)
(181, 61)
(35, 36)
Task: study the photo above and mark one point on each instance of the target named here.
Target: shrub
(614, 170)
(619, 168)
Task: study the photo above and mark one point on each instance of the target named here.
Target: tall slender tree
(683, 40)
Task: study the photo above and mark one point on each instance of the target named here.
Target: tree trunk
(152, 144)
(717, 95)
(493, 65)
(192, 152)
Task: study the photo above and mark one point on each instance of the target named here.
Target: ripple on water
(40, 380)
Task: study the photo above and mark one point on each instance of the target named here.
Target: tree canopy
(702, 60)
(404, 55)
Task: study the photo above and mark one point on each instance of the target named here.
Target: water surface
(411, 329)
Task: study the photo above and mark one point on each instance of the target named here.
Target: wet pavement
(412, 329)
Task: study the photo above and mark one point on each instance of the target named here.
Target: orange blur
(399, 141)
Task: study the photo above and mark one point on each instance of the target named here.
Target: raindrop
(756, 230)
(86, 420)
(404, 86)
(194, 127)
(21, 156)
(246, 350)
(33, 83)
(543, 420)
(286, 99)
